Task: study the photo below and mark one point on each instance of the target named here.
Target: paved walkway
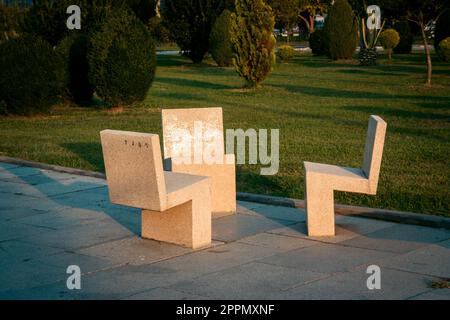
(51, 220)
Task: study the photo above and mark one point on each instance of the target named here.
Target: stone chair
(176, 207)
(194, 144)
(322, 179)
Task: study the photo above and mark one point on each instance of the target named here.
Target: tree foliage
(253, 40)
(220, 42)
(122, 59)
(29, 82)
(341, 31)
(190, 23)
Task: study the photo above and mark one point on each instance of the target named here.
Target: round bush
(389, 39)
(28, 75)
(444, 47)
(219, 41)
(73, 50)
(341, 30)
(122, 59)
(285, 53)
(406, 37)
(442, 31)
(317, 43)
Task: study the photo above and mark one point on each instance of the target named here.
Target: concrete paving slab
(81, 236)
(14, 250)
(432, 260)
(165, 294)
(434, 294)
(87, 264)
(6, 166)
(44, 176)
(9, 213)
(277, 242)
(18, 171)
(54, 291)
(399, 238)
(26, 275)
(135, 251)
(250, 281)
(11, 230)
(279, 213)
(327, 258)
(49, 220)
(214, 259)
(353, 285)
(346, 228)
(238, 226)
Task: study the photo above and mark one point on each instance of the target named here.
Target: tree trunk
(428, 55)
(311, 23)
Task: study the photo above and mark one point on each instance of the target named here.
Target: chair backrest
(186, 132)
(134, 170)
(373, 152)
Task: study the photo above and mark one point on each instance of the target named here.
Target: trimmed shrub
(28, 75)
(442, 31)
(252, 40)
(157, 30)
(317, 43)
(341, 30)
(122, 59)
(389, 39)
(285, 53)
(219, 41)
(73, 52)
(444, 47)
(406, 37)
(190, 23)
(47, 18)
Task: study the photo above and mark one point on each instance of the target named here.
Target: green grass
(320, 107)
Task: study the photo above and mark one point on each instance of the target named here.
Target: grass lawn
(320, 107)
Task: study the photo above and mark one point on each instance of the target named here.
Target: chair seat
(181, 186)
(341, 178)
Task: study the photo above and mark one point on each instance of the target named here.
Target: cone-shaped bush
(122, 59)
(406, 37)
(341, 31)
(29, 81)
(219, 41)
(253, 40)
(190, 23)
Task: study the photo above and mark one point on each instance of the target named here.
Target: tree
(220, 44)
(419, 12)
(190, 23)
(286, 12)
(341, 31)
(308, 9)
(253, 40)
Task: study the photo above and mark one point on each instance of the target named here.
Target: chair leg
(319, 207)
(188, 224)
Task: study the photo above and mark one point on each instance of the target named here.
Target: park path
(50, 220)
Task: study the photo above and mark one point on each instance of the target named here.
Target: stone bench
(322, 179)
(194, 144)
(176, 207)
